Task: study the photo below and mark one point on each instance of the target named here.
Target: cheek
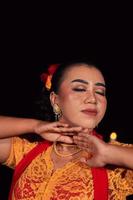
(68, 97)
(103, 105)
(69, 102)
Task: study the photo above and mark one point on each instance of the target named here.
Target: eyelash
(83, 90)
(101, 93)
(79, 90)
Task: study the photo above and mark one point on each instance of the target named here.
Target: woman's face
(81, 97)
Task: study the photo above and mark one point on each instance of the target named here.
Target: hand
(94, 147)
(56, 131)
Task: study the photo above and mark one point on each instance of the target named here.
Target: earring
(57, 112)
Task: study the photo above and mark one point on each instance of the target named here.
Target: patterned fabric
(71, 182)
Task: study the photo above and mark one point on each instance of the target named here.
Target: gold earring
(57, 112)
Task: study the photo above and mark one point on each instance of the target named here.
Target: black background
(21, 85)
(32, 38)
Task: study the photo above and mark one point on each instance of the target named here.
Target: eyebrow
(86, 82)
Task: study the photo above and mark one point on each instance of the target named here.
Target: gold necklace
(63, 155)
(68, 145)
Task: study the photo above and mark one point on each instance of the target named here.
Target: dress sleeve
(121, 178)
(19, 148)
(120, 183)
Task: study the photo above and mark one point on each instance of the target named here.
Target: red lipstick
(92, 112)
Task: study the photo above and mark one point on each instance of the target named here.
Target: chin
(89, 124)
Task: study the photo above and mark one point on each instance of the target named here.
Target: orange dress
(71, 182)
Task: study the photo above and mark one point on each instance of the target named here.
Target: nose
(90, 97)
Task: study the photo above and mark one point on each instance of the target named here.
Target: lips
(91, 112)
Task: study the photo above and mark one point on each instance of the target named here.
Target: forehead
(83, 72)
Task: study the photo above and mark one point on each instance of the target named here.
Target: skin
(104, 153)
(19, 126)
(82, 88)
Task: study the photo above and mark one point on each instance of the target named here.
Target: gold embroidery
(71, 182)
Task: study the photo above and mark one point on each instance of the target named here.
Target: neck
(65, 150)
(66, 147)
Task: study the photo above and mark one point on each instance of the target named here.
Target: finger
(93, 163)
(49, 126)
(83, 160)
(69, 134)
(85, 134)
(64, 131)
(65, 139)
(85, 156)
(87, 138)
(59, 124)
(51, 137)
(73, 129)
(82, 144)
(57, 137)
(81, 139)
(88, 131)
(89, 162)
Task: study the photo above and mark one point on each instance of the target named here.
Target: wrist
(114, 155)
(38, 126)
(106, 154)
(29, 125)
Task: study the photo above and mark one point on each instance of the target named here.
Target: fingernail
(83, 160)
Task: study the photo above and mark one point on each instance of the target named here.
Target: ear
(53, 98)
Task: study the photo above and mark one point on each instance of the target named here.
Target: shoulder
(20, 147)
(120, 181)
(23, 145)
(121, 144)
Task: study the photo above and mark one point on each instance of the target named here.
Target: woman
(78, 164)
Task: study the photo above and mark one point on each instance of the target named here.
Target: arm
(104, 153)
(12, 126)
(118, 155)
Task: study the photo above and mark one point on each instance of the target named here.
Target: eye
(101, 92)
(79, 89)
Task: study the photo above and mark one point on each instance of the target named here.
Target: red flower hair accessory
(47, 77)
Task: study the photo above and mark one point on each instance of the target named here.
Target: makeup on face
(100, 90)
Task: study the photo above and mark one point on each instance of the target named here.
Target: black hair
(46, 110)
